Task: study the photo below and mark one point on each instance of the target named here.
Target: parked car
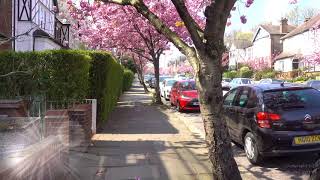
(180, 77)
(271, 81)
(161, 78)
(152, 83)
(225, 84)
(273, 119)
(184, 95)
(147, 78)
(314, 83)
(239, 81)
(166, 88)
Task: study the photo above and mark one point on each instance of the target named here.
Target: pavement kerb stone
(189, 124)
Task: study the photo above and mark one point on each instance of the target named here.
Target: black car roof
(272, 87)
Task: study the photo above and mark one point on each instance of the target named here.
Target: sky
(261, 11)
(265, 11)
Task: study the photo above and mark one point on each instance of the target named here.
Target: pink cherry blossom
(243, 19)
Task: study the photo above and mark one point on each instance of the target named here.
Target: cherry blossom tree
(196, 28)
(122, 29)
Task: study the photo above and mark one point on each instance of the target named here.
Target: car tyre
(179, 107)
(251, 149)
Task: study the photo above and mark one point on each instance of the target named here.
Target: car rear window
(295, 98)
(246, 81)
(188, 85)
(170, 82)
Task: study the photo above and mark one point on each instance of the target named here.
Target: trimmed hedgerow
(128, 77)
(63, 75)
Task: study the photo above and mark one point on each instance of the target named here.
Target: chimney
(306, 19)
(284, 26)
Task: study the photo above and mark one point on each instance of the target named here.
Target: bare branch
(16, 73)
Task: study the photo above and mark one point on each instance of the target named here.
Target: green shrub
(106, 77)
(245, 72)
(230, 74)
(63, 75)
(266, 73)
(128, 77)
(59, 74)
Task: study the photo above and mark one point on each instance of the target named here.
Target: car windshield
(162, 78)
(188, 85)
(277, 81)
(246, 81)
(295, 98)
(226, 80)
(170, 82)
(316, 85)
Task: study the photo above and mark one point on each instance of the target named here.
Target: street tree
(196, 28)
(119, 28)
(298, 15)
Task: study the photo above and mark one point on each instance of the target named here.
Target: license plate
(307, 140)
(196, 103)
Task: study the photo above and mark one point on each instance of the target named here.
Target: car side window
(228, 101)
(243, 97)
(253, 99)
(174, 86)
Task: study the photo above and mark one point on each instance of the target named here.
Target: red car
(184, 95)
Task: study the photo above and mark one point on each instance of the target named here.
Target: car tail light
(264, 119)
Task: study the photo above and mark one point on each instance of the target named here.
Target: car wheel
(251, 149)
(179, 107)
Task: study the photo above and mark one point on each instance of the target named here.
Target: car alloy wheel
(251, 150)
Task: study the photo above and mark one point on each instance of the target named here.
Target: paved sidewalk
(142, 141)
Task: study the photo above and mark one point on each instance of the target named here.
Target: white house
(301, 42)
(32, 25)
(264, 46)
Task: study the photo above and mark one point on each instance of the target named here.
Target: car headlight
(185, 97)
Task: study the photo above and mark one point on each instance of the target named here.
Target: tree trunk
(218, 140)
(141, 79)
(156, 74)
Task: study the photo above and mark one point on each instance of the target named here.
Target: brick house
(299, 43)
(264, 46)
(33, 25)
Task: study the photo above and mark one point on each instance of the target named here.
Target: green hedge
(128, 77)
(60, 74)
(245, 72)
(230, 74)
(64, 75)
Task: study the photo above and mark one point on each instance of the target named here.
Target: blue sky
(265, 11)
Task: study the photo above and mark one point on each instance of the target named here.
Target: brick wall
(73, 126)
(57, 124)
(13, 108)
(80, 125)
(6, 21)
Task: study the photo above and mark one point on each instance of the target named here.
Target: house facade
(32, 25)
(264, 46)
(299, 44)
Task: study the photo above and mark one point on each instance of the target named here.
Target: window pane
(228, 101)
(244, 97)
(292, 99)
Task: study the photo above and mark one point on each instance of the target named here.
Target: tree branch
(16, 73)
(193, 28)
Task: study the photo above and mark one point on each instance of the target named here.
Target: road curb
(191, 126)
